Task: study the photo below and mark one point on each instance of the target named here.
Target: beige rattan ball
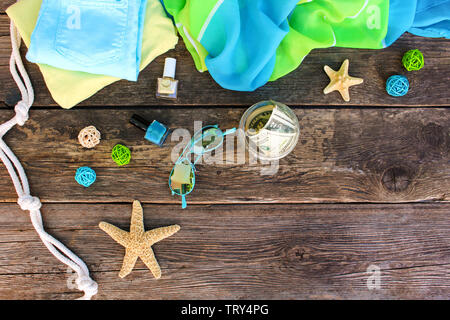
(89, 137)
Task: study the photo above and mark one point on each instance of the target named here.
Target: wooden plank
(303, 87)
(4, 26)
(239, 252)
(343, 155)
(4, 4)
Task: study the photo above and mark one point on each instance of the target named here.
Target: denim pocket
(91, 32)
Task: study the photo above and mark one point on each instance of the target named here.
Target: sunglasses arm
(196, 160)
(229, 131)
(183, 201)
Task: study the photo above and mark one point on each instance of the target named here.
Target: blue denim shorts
(94, 36)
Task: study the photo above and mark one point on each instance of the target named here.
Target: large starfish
(138, 242)
(341, 81)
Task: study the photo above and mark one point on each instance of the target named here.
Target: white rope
(19, 178)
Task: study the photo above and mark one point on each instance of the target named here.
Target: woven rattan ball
(89, 137)
(397, 86)
(121, 154)
(85, 176)
(413, 60)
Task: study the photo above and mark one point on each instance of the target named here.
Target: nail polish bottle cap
(155, 131)
(169, 67)
(139, 122)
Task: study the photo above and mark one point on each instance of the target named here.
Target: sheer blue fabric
(432, 19)
(253, 30)
(427, 18)
(94, 36)
(242, 37)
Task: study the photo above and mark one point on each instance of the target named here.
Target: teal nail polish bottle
(155, 132)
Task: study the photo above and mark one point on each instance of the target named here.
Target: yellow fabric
(69, 88)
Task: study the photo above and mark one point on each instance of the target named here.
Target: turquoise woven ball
(85, 176)
(397, 86)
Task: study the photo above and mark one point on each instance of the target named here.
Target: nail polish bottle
(155, 132)
(167, 85)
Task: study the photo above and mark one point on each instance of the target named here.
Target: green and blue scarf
(245, 43)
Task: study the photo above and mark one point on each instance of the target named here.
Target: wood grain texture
(238, 252)
(345, 155)
(244, 235)
(303, 87)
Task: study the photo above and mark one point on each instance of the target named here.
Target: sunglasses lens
(182, 178)
(207, 140)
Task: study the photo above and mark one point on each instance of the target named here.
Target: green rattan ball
(121, 155)
(413, 60)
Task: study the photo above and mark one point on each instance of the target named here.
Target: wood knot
(396, 179)
(297, 253)
(433, 135)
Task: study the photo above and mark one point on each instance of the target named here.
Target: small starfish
(341, 81)
(138, 242)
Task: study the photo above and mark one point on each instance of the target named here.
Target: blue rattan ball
(397, 86)
(85, 176)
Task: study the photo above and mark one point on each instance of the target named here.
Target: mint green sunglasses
(182, 176)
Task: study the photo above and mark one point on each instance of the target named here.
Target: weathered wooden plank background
(344, 155)
(239, 252)
(368, 183)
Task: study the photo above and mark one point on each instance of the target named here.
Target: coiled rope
(19, 178)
